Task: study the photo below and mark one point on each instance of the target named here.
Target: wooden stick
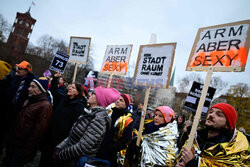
(199, 109)
(74, 76)
(110, 80)
(144, 111)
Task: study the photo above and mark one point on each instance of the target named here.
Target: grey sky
(117, 22)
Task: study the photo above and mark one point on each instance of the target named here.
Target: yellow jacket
(234, 153)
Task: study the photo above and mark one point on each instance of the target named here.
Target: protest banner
(220, 48)
(79, 51)
(224, 47)
(154, 65)
(116, 59)
(193, 98)
(59, 62)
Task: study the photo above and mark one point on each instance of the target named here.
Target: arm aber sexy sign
(223, 47)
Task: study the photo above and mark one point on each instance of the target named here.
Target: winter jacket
(16, 89)
(86, 135)
(118, 136)
(31, 125)
(63, 119)
(223, 150)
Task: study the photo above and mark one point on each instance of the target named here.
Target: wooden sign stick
(74, 76)
(144, 111)
(199, 109)
(110, 80)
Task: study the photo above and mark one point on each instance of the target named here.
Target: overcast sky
(119, 22)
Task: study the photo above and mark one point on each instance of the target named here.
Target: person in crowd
(14, 91)
(58, 89)
(181, 124)
(31, 124)
(120, 132)
(219, 144)
(137, 115)
(158, 146)
(71, 106)
(89, 130)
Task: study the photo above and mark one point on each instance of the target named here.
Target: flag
(33, 3)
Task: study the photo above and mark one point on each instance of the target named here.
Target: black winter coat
(64, 117)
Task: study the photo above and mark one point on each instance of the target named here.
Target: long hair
(79, 89)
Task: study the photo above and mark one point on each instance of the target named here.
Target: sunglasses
(19, 68)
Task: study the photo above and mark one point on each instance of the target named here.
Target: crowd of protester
(73, 126)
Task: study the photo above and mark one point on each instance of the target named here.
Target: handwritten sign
(116, 59)
(59, 62)
(79, 49)
(224, 47)
(154, 64)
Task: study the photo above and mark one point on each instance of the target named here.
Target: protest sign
(116, 59)
(223, 47)
(193, 98)
(154, 65)
(79, 49)
(59, 62)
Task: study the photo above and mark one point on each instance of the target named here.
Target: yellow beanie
(5, 69)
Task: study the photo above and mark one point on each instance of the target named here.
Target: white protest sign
(223, 47)
(79, 49)
(116, 59)
(154, 64)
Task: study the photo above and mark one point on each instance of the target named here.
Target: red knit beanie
(126, 99)
(229, 112)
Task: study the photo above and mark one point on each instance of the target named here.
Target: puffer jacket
(86, 135)
(31, 124)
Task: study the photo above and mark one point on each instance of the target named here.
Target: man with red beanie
(219, 144)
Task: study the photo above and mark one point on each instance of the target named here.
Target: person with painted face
(219, 144)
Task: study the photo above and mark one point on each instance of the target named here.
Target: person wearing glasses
(14, 92)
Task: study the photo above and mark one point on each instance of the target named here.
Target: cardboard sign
(193, 98)
(79, 49)
(116, 59)
(154, 65)
(59, 62)
(223, 47)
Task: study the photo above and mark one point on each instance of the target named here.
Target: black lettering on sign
(118, 51)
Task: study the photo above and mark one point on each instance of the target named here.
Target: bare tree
(239, 96)
(186, 83)
(4, 28)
